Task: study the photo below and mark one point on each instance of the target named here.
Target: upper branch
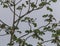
(28, 13)
(18, 2)
(12, 10)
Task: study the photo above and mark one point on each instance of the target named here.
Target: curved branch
(29, 5)
(43, 26)
(28, 13)
(4, 23)
(3, 35)
(12, 10)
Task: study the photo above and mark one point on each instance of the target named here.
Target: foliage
(34, 33)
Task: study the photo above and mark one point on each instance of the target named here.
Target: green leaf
(5, 6)
(14, 37)
(28, 31)
(39, 44)
(10, 44)
(18, 39)
(33, 5)
(27, 18)
(45, 15)
(54, 0)
(29, 45)
(3, 26)
(35, 24)
(23, 5)
(42, 3)
(48, 8)
(50, 16)
(37, 37)
(58, 32)
(54, 19)
(19, 31)
(53, 41)
(54, 25)
(54, 35)
(37, 31)
(16, 27)
(19, 8)
(48, 20)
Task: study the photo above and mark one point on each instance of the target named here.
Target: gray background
(6, 16)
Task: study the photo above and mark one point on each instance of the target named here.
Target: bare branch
(23, 35)
(29, 5)
(12, 10)
(18, 2)
(4, 35)
(28, 37)
(36, 1)
(29, 25)
(43, 26)
(4, 23)
(46, 41)
(18, 20)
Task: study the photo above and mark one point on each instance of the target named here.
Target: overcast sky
(6, 16)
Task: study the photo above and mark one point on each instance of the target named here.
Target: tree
(34, 33)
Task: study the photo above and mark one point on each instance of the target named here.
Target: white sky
(6, 16)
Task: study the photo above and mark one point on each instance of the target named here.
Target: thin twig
(29, 6)
(29, 25)
(3, 35)
(28, 37)
(18, 20)
(23, 35)
(36, 1)
(18, 2)
(4, 23)
(43, 26)
(12, 10)
(46, 41)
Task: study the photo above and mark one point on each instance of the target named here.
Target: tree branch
(36, 1)
(12, 10)
(46, 41)
(18, 2)
(3, 35)
(23, 35)
(18, 17)
(4, 23)
(28, 13)
(29, 25)
(29, 5)
(43, 26)
(13, 29)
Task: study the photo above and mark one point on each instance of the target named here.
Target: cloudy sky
(6, 16)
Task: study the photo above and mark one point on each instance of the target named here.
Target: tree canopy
(36, 33)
